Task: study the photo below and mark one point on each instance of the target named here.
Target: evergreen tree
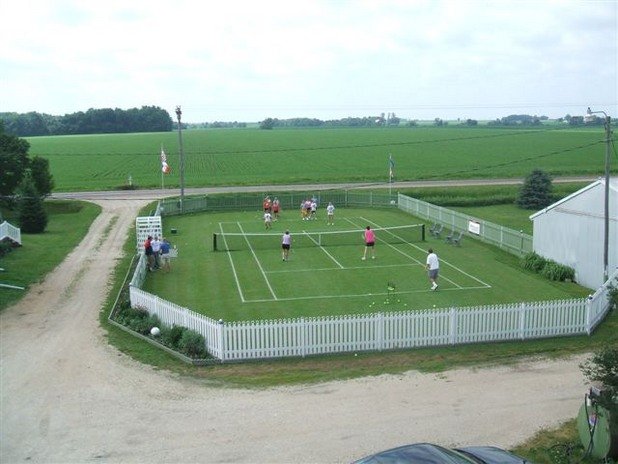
(536, 192)
(43, 180)
(31, 212)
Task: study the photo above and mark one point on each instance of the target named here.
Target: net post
(423, 232)
(214, 241)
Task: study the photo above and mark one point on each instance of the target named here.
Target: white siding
(571, 232)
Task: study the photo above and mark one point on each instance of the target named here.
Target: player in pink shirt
(370, 242)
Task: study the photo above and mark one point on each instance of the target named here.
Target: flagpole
(162, 173)
(390, 175)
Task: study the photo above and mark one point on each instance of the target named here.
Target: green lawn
(39, 254)
(254, 283)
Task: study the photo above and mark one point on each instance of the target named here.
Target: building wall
(571, 232)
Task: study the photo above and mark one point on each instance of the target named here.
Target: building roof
(613, 185)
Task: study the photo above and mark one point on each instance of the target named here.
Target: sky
(328, 59)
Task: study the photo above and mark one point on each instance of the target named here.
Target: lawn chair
(449, 237)
(433, 228)
(438, 231)
(457, 239)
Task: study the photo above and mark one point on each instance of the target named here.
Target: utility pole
(608, 135)
(182, 161)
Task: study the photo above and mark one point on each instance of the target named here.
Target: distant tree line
(93, 121)
(212, 125)
(367, 121)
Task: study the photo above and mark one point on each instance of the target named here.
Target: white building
(572, 231)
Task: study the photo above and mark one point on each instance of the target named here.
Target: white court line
(229, 255)
(272, 292)
(321, 297)
(414, 259)
(292, 271)
(445, 262)
(324, 250)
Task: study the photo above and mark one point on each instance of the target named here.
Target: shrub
(192, 344)
(143, 325)
(126, 314)
(171, 337)
(5, 247)
(533, 262)
(612, 296)
(555, 271)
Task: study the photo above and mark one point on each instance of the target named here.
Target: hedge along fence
(262, 339)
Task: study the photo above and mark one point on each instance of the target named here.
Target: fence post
(589, 314)
(453, 324)
(522, 321)
(221, 333)
(302, 339)
(380, 331)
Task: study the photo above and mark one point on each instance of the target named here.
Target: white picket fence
(244, 340)
(8, 230)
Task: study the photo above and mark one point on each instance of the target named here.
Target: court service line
(229, 255)
(323, 249)
(272, 292)
(445, 262)
(405, 254)
(292, 271)
(359, 295)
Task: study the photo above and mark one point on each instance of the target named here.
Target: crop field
(325, 275)
(217, 157)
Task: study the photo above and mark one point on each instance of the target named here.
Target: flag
(391, 167)
(165, 168)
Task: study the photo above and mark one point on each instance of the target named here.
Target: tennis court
(326, 263)
(325, 274)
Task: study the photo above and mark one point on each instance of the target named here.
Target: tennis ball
(434, 306)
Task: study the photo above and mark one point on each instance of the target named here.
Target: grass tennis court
(325, 274)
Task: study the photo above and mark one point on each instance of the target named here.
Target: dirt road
(68, 397)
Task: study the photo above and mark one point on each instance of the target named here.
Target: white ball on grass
(155, 331)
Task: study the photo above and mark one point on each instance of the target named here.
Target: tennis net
(232, 241)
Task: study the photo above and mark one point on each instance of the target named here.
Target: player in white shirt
(268, 220)
(330, 214)
(314, 209)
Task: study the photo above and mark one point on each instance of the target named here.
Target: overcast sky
(249, 60)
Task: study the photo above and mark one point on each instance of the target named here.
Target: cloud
(239, 60)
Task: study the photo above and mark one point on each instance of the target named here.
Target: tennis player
(433, 268)
(370, 242)
(268, 220)
(330, 214)
(286, 243)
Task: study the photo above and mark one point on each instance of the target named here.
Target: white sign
(474, 227)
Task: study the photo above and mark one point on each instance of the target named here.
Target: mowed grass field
(252, 282)
(217, 157)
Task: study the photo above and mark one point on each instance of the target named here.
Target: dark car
(491, 455)
(422, 453)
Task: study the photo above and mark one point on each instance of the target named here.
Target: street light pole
(608, 134)
(182, 160)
